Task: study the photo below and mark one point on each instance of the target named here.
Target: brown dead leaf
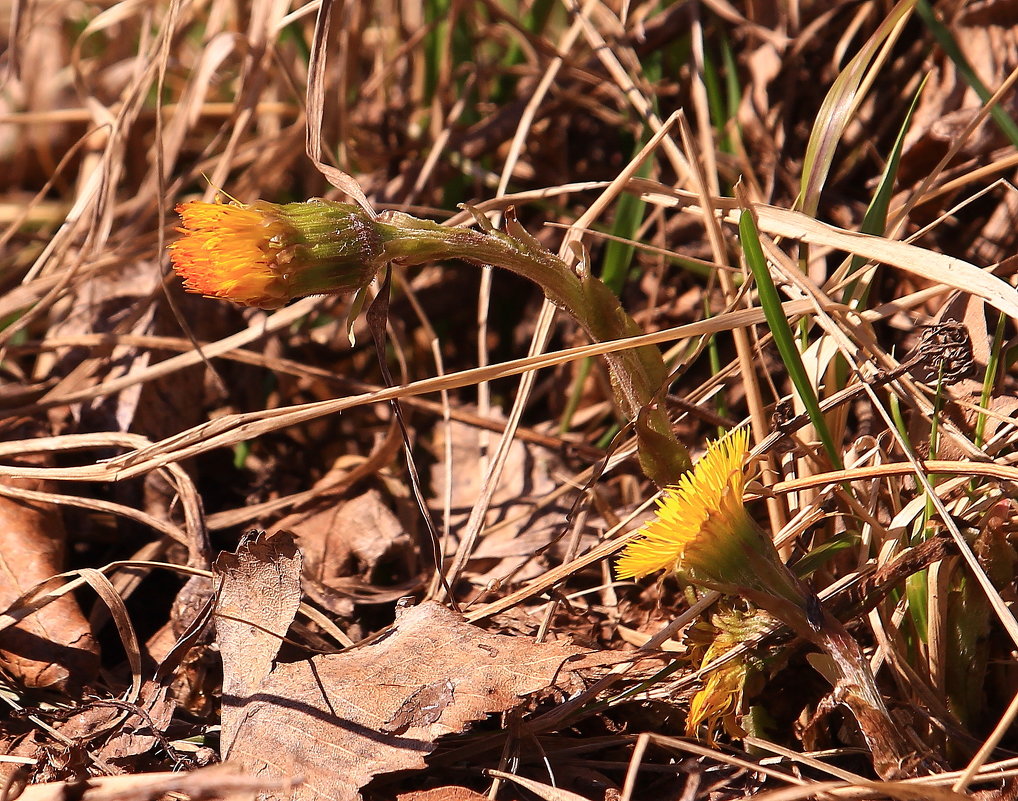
(111, 303)
(338, 720)
(139, 732)
(519, 527)
(357, 538)
(54, 647)
(257, 601)
(450, 793)
(985, 34)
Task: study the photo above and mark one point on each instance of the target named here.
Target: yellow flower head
(713, 488)
(265, 254)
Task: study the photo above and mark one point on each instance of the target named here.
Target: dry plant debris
(54, 648)
(215, 782)
(798, 218)
(338, 720)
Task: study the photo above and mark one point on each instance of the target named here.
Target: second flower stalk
(265, 254)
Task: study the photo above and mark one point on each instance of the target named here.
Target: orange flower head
(230, 251)
(265, 254)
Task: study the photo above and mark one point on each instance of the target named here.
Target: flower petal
(229, 251)
(685, 508)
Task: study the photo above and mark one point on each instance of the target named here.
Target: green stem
(638, 375)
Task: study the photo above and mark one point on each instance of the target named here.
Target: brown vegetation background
(145, 430)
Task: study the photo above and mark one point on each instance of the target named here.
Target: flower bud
(266, 254)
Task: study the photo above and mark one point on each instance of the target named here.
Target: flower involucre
(265, 254)
(714, 488)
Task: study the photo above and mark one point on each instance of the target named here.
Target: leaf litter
(145, 430)
(338, 720)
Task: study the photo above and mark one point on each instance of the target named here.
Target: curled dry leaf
(347, 546)
(338, 720)
(113, 732)
(519, 527)
(53, 647)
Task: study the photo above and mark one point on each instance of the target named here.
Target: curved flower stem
(265, 254)
(638, 375)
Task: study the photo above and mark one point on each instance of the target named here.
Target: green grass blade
(782, 332)
(714, 359)
(992, 367)
(618, 255)
(575, 395)
(733, 89)
(875, 219)
(717, 101)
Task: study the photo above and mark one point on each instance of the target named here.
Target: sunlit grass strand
(770, 302)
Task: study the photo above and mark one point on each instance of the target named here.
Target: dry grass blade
(896, 790)
(541, 790)
(316, 108)
(230, 430)
(215, 782)
(936, 267)
(841, 103)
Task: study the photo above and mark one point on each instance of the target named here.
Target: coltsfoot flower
(265, 254)
(686, 507)
(703, 532)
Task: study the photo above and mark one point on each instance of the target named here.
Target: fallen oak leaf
(339, 720)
